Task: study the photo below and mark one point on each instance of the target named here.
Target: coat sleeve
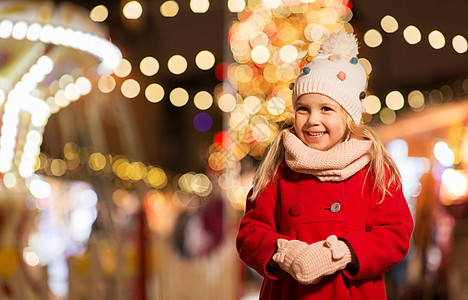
(386, 240)
(258, 234)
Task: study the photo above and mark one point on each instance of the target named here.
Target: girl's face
(319, 121)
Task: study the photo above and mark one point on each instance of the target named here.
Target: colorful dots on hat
(354, 60)
(362, 95)
(341, 76)
(332, 58)
(306, 70)
(309, 58)
(367, 76)
(291, 86)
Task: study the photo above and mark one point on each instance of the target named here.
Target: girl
(326, 216)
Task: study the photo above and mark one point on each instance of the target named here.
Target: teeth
(315, 133)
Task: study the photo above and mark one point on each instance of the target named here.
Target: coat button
(335, 207)
(297, 209)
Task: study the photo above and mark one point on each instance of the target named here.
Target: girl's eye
(327, 108)
(302, 108)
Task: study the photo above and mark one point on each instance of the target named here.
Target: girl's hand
(309, 263)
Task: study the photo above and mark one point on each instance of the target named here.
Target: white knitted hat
(336, 73)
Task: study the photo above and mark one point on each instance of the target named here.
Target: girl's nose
(314, 118)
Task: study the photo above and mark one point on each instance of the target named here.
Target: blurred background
(130, 132)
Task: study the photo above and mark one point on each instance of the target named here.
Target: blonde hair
(380, 164)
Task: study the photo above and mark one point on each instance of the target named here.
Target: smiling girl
(326, 216)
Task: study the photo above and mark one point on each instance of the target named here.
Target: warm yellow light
(412, 35)
(436, 39)
(252, 104)
(199, 6)
(260, 54)
(106, 84)
(315, 33)
(205, 60)
(99, 13)
(177, 64)
(366, 65)
(416, 100)
(372, 104)
(9, 180)
(261, 132)
(227, 102)
(288, 53)
(149, 66)
(373, 38)
(58, 167)
(65, 80)
(203, 100)
(60, 99)
(132, 10)
(84, 85)
(72, 92)
(154, 93)
(71, 151)
(459, 44)
(97, 161)
(276, 106)
(130, 88)
(235, 6)
(123, 69)
(387, 116)
(238, 120)
(389, 24)
(179, 97)
(395, 100)
(169, 9)
(271, 4)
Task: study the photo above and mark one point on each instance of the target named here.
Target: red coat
(299, 206)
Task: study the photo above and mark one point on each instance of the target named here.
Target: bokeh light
(236, 6)
(132, 10)
(459, 44)
(123, 69)
(169, 9)
(154, 93)
(436, 39)
(395, 100)
(205, 60)
(227, 102)
(203, 100)
(389, 24)
(106, 84)
(416, 100)
(373, 38)
(387, 116)
(372, 104)
(130, 88)
(84, 85)
(179, 97)
(149, 66)
(412, 35)
(177, 64)
(260, 54)
(366, 65)
(99, 13)
(252, 104)
(202, 122)
(199, 6)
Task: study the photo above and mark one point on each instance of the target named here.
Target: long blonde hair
(381, 162)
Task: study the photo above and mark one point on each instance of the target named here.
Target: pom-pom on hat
(336, 73)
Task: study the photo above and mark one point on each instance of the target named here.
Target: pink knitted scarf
(335, 164)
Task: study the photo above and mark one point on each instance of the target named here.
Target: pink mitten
(309, 263)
